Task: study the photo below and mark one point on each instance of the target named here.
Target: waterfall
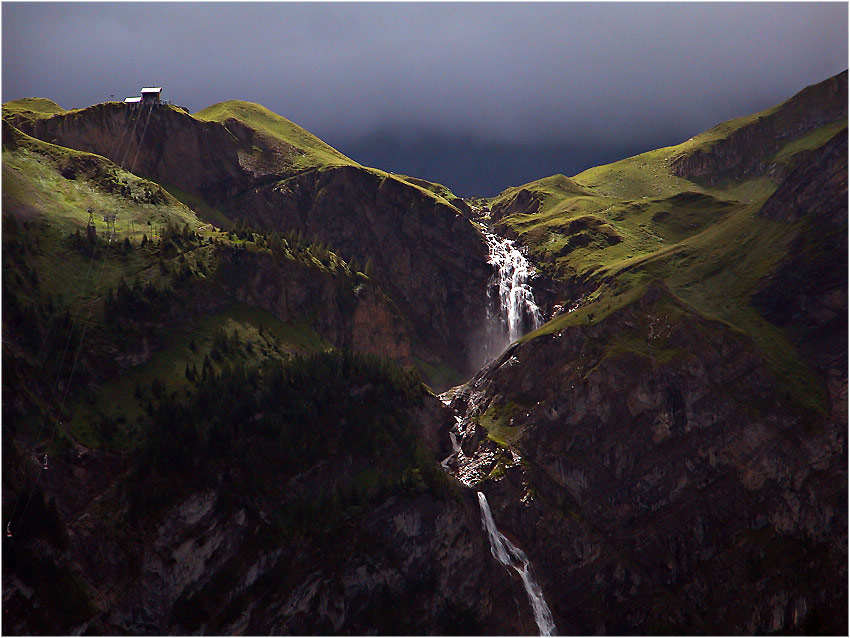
(512, 556)
(511, 313)
(516, 313)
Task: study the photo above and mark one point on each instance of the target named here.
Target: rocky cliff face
(522, 200)
(746, 151)
(165, 144)
(667, 472)
(818, 185)
(661, 488)
(807, 294)
(348, 312)
(425, 254)
(218, 560)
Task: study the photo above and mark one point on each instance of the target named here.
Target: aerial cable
(59, 367)
(86, 279)
(144, 130)
(86, 324)
(130, 142)
(118, 141)
(54, 385)
(61, 405)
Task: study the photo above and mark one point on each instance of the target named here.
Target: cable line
(144, 130)
(60, 408)
(130, 142)
(118, 141)
(61, 405)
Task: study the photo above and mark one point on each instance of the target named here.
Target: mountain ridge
(256, 172)
(241, 441)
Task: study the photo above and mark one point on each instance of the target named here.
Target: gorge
(245, 383)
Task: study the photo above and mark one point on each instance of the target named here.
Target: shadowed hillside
(215, 333)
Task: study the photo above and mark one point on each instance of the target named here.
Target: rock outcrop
(349, 312)
(207, 568)
(818, 185)
(522, 199)
(215, 553)
(807, 293)
(422, 252)
(165, 144)
(666, 471)
(745, 151)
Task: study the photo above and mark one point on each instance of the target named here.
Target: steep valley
(284, 393)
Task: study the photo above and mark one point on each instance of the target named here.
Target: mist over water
(511, 311)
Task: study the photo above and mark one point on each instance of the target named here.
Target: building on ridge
(133, 102)
(151, 95)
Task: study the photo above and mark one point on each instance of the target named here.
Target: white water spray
(512, 556)
(517, 312)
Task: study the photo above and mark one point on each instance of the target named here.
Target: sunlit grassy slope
(439, 189)
(634, 220)
(303, 149)
(33, 107)
(250, 336)
(58, 184)
(47, 193)
(610, 230)
(309, 150)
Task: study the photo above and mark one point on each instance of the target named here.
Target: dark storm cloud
(598, 73)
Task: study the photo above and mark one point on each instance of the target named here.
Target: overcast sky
(384, 79)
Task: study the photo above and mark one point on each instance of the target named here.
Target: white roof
(133, 99)
(152, 89)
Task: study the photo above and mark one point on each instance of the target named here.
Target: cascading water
(512, 312)
(512, 556)
(515, 310)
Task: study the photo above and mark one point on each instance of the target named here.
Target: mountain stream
(512, 556)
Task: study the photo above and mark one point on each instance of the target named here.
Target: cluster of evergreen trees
(261, 425)
(137, 300)
(294, 245)
(36, 321)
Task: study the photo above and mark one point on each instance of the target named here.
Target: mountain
(237, 161)
(715, 241)
(215, 333)
(689, 440)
